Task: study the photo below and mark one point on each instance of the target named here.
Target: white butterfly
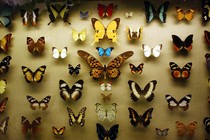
(106, 111)
(104, 86)
(129, 14)
(59, 53)
(152, 51)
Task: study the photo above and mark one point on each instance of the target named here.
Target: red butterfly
(104, 10)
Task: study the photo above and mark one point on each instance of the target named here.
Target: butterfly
(106, 52)
(186, 129)
(29, 16)
(185, 15)
(30, 128)
(75, 92)
(34, 104)
(137, 92)
(73, 70)
(154, 51)
(207, 56)
(142, 119)
(206, 11)
(5, 14)
(151, 13)
(179, 73)
(104, 134)
(129, 14)
(3, 85)
(104, 86)
(162, 132)
(101, 31)
(206, 122)
(36, 47)
(57, 131)
(180, 45)
(55, 11)
(183, 103)
(106, 97)
(4, 64)
(59, 53)
(134, 35)
(84, 15)
(136, 70)
(79, 35)
(112, 69)
(79, 119)
(207, 36)
(3, 125)
(5, 41)
(3, 105)
(105, 11)
(106, 111)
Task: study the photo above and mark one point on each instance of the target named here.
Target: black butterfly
(206, 122)
(180, 45)
(74, 92)
(79, 119)
(4, 64)
(73, 70)
(29, 16)
(137, 92)
(3, 125)
(105, 134)
(206, 11)
(142, 119)
(151, 13)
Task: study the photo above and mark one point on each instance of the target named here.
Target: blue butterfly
(106, 51)
(84, 15)
(5, 13)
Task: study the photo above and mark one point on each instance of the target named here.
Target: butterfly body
(100, 31)
(29, 16)
(58, 131)
(151, 13)
(79, 35)
(154, 51)
(59, 53)
(73, 70)
(180, 73)
(75, 92)
(162, 132)
(3, 125)
(136, 70)
(188, 15)
(4, 64)
(134, 35)
(180, 45)
(183, 103)
(5, 41)
(106, 111)
(5, 13)
(137, 92)
(105, 134)
(36, 76)
(79, 119)
(36, 47)
(207, 37)
(136, 119)
(97, 69)
(34, 104)
(186, 129)
(30, 128)
(105, 11)
(106, 52)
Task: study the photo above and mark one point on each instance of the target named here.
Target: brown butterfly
(57, 131)
(3, 104)
(106, 97)
(36, 47)
(186, 129)
(5, 42)
(30, 128)
(112, 69)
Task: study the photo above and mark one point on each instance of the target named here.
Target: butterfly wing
(5, 42)
(145, 118)
(186, 70)
(172, 102)
(180, 13)
(178, 43)
(184, 102)
(101, 131)
(189, 14)
(35, 125)
(111, 111)
(5, 13)
(108, 51)
(162, 132)
(109, 10)
(113, 131)
(82, 34)
(149, 11)
(3, 105)
(134, 117)
(4, 64)
(101, 112)
(113, 71)
(111, 30)
(3, 125)
(57, 131)
(63, 53)
(65, 12)
(135, 90)
(162, 11)
(34, 104)
(207, 36)
(188, 43)
(101, 10)
(147, 50)
(64, 90)
(37, 47)
(97, 68)
(72, 118)
(3, 85)
(182, 129)
(157, 50)
(76, 90)
(99, 30)
(53, 12)
(34, 16)
(148, 90)
(101, 51)
(191, 128)
(55, 52)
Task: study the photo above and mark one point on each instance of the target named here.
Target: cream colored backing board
(59, 35)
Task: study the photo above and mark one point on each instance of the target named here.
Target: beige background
(59, 35)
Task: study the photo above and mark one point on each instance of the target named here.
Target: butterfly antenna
(69, 22)
(49, 23)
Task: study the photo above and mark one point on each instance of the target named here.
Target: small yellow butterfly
(79, 35)
(3, 84)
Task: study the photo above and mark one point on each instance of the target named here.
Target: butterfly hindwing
(79, 119)
(179, 73)
(3, 125)
(34, 104)
(105, 134)
(28, 127)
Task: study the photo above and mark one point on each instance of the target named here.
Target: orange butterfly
(57, 131)
(35, 47)
(5, 42)
(185, 15)
(186, 129)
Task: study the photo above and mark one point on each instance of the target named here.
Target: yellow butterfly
(3, 84)
(79, 35)
(5, 42)
(101, 31)
(185, 15)
(112, 69)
